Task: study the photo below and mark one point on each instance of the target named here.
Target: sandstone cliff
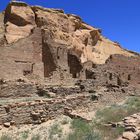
(43, 42)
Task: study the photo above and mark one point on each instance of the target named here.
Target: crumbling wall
(16, 89)
(22, 58)
(42, 42)
(118, 70)
(36, 112)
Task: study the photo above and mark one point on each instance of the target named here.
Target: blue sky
(119, 19)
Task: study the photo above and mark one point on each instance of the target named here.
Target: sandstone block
(7, 124)
(129, 135)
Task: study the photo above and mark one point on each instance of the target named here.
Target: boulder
(51, 94)
(129, 135)
(7, 124)
(120, 138)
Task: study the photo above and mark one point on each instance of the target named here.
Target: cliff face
(1, 29)
(41, 42)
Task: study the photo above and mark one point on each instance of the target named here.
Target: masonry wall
(39, 111)
(22, 58)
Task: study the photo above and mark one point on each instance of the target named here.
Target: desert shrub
(43, 93)
(36, 137)
(115, 113)
(55, 130)
(64, 121)
(107, 132)
(24, 135)
(81, 130)
(94, 97)
(119, 130)
(6, 137)
(133, 105)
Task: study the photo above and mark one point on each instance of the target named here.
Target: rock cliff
(39, 42)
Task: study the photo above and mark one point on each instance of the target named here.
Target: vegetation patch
(36, 137)
(24, 135)
(115, 113)
(108, 132)
(55, 132)
(99, 128)
(64, 121)
(81, 130)
(6, 137)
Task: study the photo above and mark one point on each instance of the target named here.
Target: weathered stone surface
(2, 29)
(121, 138)
(19, 21)
(14, 89)
(129, 135)
(45, 42)
(23, 58)
(132, 127)
(48, 47)
(37, 111)
(51, 94)
(14, 33)
(7, 124)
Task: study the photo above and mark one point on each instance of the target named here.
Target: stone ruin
(38, 43)
(47, 52)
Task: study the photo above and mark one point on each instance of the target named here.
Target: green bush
(94, 97)
(133, 105)
(5, 137)
(82, 131)
(115, 113)
(108, 132)
(36, 137)
(64, 121)
(55, 130)
(25, 134)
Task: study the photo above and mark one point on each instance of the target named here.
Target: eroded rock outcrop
(41, 42)
(2, 39)
(38, 111)
(19, 21)
(132, 127)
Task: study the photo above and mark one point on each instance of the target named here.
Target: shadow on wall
(74, 65)
(48, 60)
